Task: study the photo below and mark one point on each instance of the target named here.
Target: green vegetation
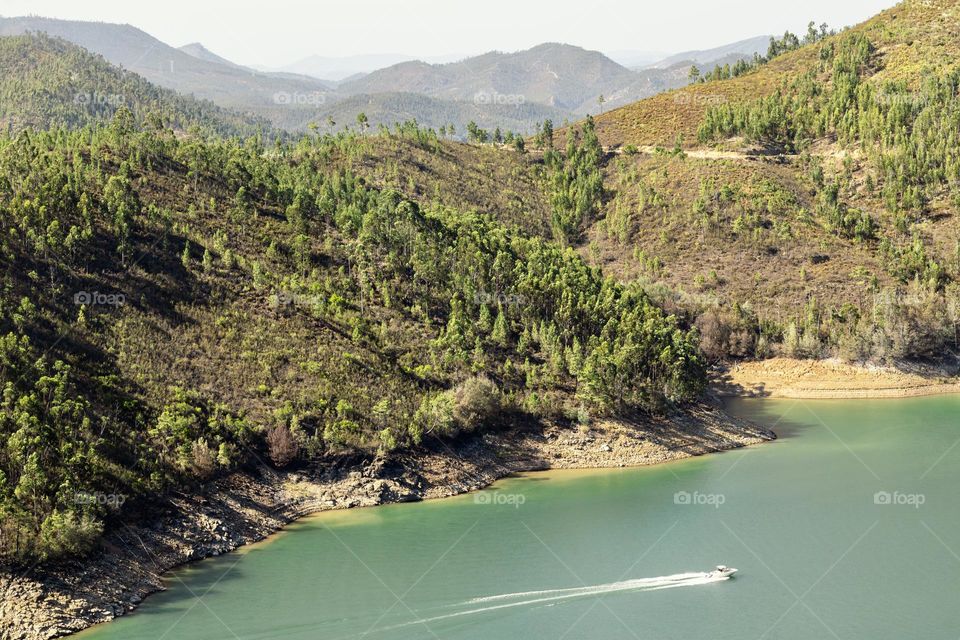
(910, 138)
(907, 139)
(176, 304)
(49, 82)
(574, 179)
(778, 46)
(213, 303)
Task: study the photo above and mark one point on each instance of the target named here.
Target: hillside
(913, 37)
(387, 109)
(213, 304)
(226, 84)
(783, 225)
(807, 206)
(46, 82)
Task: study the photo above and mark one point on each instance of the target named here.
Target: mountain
(343, 68)
(511, 91)
(568, 78)
(634, 59)
(46, 81)
(558, 75)
(200, 52)
(742, 49)
(287, 100)
(222, 82)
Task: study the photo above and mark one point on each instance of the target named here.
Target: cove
(848, 526)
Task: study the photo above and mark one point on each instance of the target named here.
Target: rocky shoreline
(50, 602)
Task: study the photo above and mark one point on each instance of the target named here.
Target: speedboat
(722, 571)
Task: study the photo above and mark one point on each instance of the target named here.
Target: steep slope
(912, 39)
(808, 205)
(46, 82)
(212, 303)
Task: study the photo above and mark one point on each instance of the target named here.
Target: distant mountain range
(199, 51)
(508, 90)
(743, 48)
(561, 76)
(340, 68)
(634, 59)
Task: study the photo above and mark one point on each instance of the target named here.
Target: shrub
(476, 403)
(434, 416)
(281, 445)
(65, 533)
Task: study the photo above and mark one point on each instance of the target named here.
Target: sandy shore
(53, 601)
(817, 379)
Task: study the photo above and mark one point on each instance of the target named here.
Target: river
(848, 526)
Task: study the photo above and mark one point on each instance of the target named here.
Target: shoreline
(830, 379)
(243, 508)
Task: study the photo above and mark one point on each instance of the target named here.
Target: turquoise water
(617, 554)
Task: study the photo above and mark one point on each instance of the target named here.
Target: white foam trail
(554, 595)
(636, 584)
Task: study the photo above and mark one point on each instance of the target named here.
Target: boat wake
(527, 598)
(690, 579)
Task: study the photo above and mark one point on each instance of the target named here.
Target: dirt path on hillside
(715, 154)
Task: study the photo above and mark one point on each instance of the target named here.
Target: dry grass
(774, 271)
(914, 38)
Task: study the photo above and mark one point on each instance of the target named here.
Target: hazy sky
(277, 32)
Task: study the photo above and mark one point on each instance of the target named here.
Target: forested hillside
(175, 307)
(46, 82)
(226, 84)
